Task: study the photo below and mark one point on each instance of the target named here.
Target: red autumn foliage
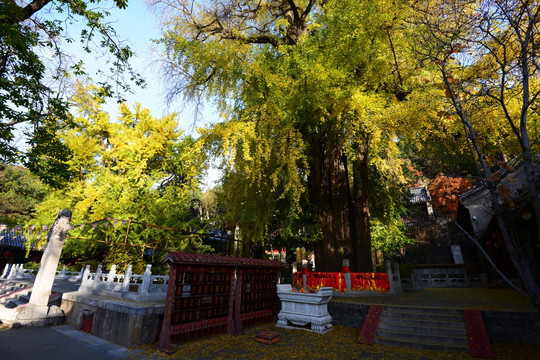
(444, 192)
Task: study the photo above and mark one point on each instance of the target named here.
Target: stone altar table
(299, 309)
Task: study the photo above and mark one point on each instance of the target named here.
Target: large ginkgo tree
(308, 91)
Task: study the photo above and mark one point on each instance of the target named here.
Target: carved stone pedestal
(306, 311)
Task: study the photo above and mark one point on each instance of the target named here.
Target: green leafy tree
(35, 70)
(20, 192)
(137, 167)
(308, 88)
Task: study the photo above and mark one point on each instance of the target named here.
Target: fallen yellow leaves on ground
(299, 344)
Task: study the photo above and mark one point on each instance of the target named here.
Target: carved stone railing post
(81, 274)
(394, 277)
(127, 279)
(5, 272)
(17, 272)
(146, 281)
(304, 274)
(397, 279)
(388, 267)
(62, 274)
(12, 272)
(97, 278)
(87, 283)
(110, 278)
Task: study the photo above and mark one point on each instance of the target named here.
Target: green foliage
(34, 70)
(405, 270)
(291, 87)
(390, 237)
(47, 155)
(388, 232)
(138, 167)
(20, 192)
(31, 265)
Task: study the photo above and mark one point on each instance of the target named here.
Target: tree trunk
(362, 216)
(528, 161)
(328, 182)
(519, 260)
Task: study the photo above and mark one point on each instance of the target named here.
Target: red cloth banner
(336, 280)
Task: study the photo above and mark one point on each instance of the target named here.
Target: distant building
(431, 226)
(13, 249)
(475, 214)
(421, 197)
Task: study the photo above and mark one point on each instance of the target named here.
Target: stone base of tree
(32, 316)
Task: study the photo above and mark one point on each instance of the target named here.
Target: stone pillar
(110, 278)
(146, 280)
(5, 273)
(394, 278)
(81, 274)
(49, 260)
(347, 274)
(11, 271)
(388, 266)
(62, 274)
(19, 272)
(97, 278)
(304, 274)
(86, 281)
(14, 271)
(397, 276)
(127, 279)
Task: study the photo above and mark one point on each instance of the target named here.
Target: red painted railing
(359, 281)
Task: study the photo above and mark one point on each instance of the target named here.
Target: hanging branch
(127, 231)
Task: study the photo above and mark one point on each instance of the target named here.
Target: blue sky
(139, 26)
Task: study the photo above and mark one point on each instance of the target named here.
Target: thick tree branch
(26, 12)
(255, 39)
(33, 8)
(308, 9)
(294, 10)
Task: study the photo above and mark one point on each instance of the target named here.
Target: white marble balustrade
(145, 287)
(18, 272)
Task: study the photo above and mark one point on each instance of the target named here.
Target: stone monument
(37, 312)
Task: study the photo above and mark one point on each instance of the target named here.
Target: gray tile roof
(12, 239)
(419, 195)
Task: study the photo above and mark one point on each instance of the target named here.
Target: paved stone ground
(56, 343)
(458, 298)
(64, 342)
(299, 344)
(341, 342)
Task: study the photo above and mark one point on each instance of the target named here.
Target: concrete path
(56, 343)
